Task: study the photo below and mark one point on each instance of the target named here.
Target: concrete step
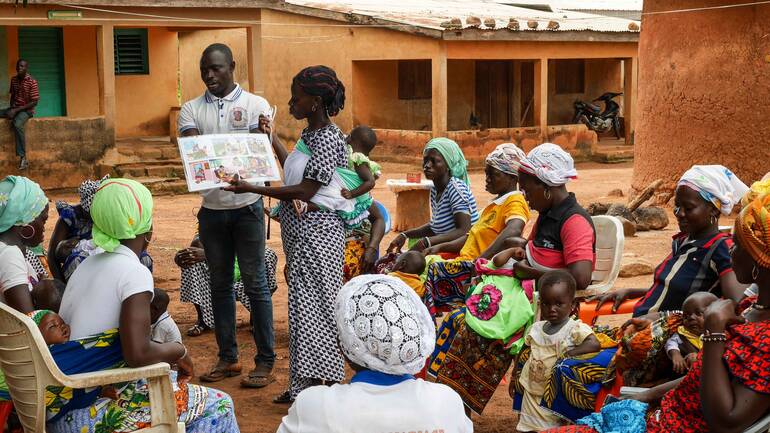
(150, 168)
(163, 185)
(612, 155)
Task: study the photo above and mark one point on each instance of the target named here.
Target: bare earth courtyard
(175, 224)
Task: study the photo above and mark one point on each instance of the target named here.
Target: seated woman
(195, 286)
(727, 389)
(562, 238)
(503, 218)
(117, 285)
(23, 214)
(453, 208)
(699, 261)
(385, 347)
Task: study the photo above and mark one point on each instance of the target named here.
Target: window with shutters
(570, 76)
(414, 79)
(131, 52)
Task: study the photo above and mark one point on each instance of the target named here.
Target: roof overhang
(250, 4)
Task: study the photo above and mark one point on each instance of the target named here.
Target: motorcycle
(597, 120)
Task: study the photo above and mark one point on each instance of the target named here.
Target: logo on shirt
(239, 118)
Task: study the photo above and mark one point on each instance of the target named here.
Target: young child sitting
(359, 177)
(557, 336)
(51, 325)
(408, 268)
(47, 294)
(163, 329)
(683, 347)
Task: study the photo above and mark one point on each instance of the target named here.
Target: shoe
(23, 164)
(221, 371)
(259, 377)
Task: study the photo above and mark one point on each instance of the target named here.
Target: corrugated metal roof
(463, 14)
(582, 5)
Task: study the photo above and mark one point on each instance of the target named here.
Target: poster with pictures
(210, 161)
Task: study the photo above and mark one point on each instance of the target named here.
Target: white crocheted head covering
(383, 325)
(551, 164)
(716, 184)
(507, 158)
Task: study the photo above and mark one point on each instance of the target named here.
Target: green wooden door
(42, 48)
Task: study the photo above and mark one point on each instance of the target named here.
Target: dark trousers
(18, 123)
(225, 234)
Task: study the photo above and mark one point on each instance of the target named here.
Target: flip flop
(197, 330)
(284, 398)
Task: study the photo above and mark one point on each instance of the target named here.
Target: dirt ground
(175, 224)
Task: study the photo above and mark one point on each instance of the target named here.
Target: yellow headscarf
(122, 209)
(752, 228)
(758, 188)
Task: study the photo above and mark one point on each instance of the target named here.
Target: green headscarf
(37, 315)
(122, 209)
(453, 156)
(21, 201)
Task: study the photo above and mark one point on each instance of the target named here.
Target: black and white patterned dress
(196, 286)
(314, 244)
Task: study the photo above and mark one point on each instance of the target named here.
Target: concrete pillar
(541, 96)
(439, 93)
(254, 58)
(630, 82)
(105, 64)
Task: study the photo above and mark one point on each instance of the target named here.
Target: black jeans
(225, 234)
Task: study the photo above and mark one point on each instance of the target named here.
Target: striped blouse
(456, 198)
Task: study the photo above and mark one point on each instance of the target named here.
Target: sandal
(259, 377)
(196, 330)
(284, 398)
(221, 371)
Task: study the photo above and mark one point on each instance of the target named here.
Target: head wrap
(506, 158)
(551, 164)
(383, 325)
(758, 188)
(322, 81)
(122, 209)
(450, 151)
(87, 190)
(716, 184)
(752, 228)
(21, 201)
(37, 315)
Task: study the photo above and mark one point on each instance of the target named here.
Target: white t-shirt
(14, 269)
(236, 113)
(96, 290)
(409, 406)
(165, 330)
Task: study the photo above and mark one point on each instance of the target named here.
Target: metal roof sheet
(582, 5)
(482, 14)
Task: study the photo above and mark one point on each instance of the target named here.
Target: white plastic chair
(763, 425)
(609, 252)
(29, 368)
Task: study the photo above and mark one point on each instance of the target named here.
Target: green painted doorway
(42, 48)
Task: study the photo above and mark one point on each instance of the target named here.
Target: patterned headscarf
(87, 190)
(383, 325)
(122, 209)
(752, 228)
(758, 188)
(551, 164)
(507, 158)
(453, 155)
(37, 315)
(21, 201)
(716, 184)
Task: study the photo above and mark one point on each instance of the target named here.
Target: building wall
(601, 75)
(286, 49)
(81, 77)
(143, 102)
(376, 84)
(461, 93)
(192, 44)
(703, 103)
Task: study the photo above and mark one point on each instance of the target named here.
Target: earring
(547, 194)
(714, 220)
(30, 236)
(754, 273)
(314, 108)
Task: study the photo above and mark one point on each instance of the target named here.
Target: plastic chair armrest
(117, 375)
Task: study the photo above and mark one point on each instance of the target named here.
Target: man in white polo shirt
(232, 224)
